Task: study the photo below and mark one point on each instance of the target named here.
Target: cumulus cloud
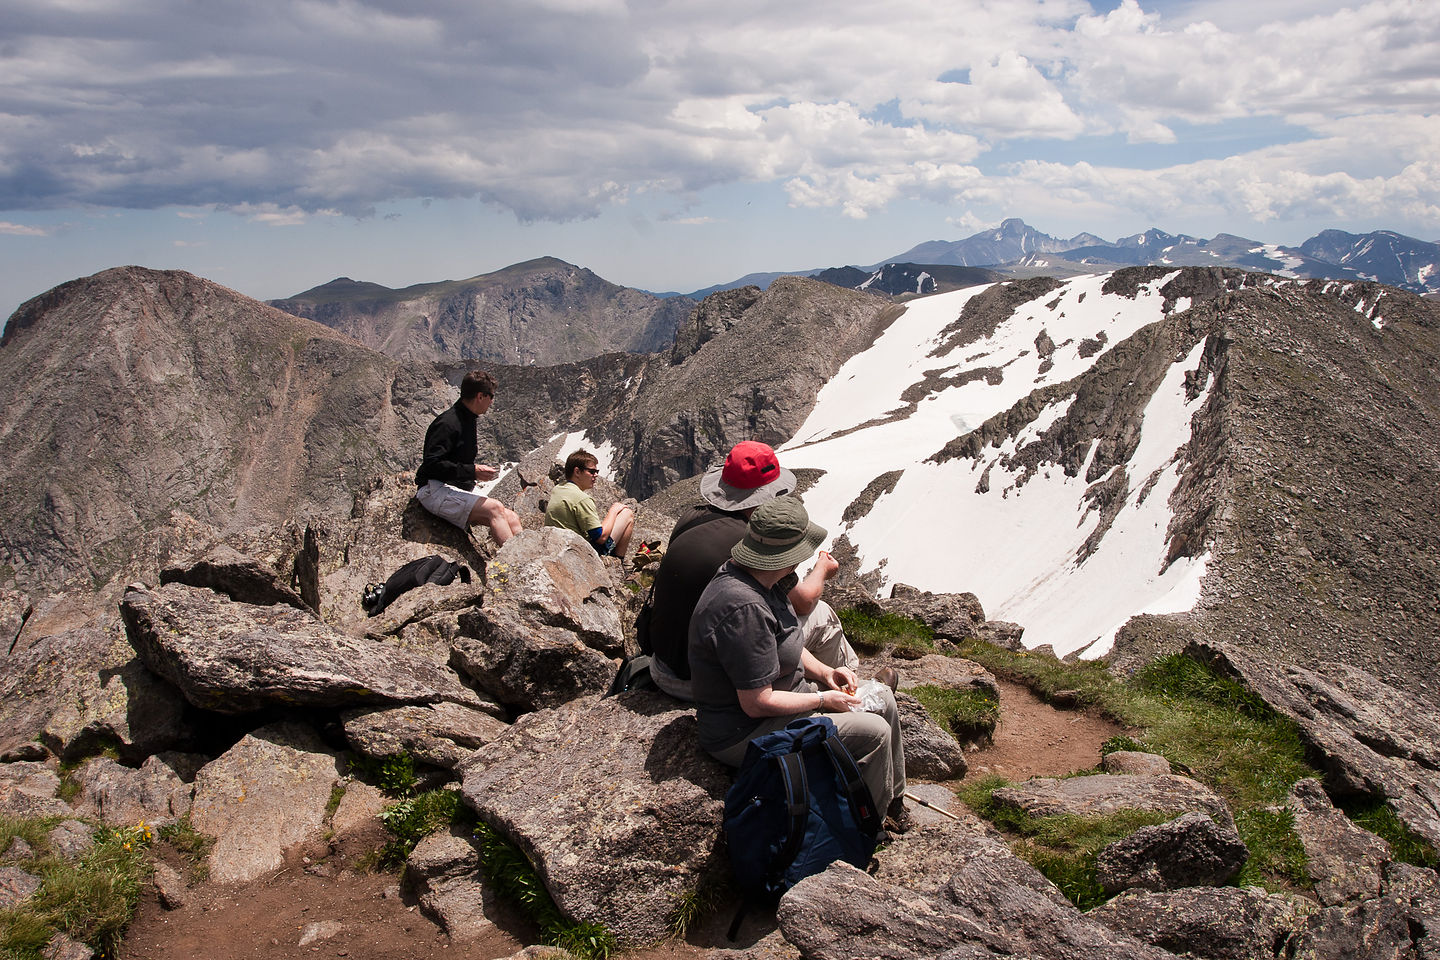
(22, 230)
(556, 110)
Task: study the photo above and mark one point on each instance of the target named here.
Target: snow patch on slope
(1014, 545)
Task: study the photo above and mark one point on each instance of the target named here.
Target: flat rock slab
(1218, 923)
(842, 913)
(234, 657)
(614, 802)
(440, 734)
(1374, 738)
(241, 578)
(1104, 794)
(267, 793)
(16, 886)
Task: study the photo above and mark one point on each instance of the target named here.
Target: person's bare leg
(620, 524)
(492, 514)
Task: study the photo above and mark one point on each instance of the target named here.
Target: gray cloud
(556, 110)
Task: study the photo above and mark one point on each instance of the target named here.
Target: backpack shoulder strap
(862, 805)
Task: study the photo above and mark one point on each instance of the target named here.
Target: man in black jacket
(447, 475)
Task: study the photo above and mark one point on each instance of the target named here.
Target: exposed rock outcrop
(614, 802)
(1189, 851)
(1105, 793)
(232, 657)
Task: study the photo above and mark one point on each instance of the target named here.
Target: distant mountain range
(1019, 250)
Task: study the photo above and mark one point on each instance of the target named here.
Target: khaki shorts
(448, 503)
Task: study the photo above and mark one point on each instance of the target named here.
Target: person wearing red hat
(702, 540)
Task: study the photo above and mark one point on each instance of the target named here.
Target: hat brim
(721, 494)
(755, 557)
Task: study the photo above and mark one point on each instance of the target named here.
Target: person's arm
(768, 702)
(807, 592)
(836, 678)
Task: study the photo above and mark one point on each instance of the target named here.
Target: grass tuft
(394, 775)
(414, 819)
(1406, 846)
(91, 898)
(516, 879)
(969, 715)
(193, 845)
(873, 632)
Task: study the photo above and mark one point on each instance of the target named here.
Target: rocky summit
(197, 488)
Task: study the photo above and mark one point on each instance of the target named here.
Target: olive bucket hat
(779, 535)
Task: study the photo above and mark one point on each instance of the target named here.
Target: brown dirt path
(267, 919)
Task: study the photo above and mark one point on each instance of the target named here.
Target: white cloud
(22, 230)
(558, 110)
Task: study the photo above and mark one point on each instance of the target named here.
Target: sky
(273, 146)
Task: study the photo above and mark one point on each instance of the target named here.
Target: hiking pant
(873, 739)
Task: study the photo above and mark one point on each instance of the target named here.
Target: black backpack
(431, 569)
(798, 805)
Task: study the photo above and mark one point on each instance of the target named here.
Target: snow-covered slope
(984, 525)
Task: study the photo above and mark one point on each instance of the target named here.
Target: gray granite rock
(1401, 924)
(233, 657)
(440, 734)
(267, 793)
(27, 789)
(550, 627)
(170, 887)
(1134, 762)
(930, 752)
(1104, 794)
(1189, 851)
(444, 873)
(158, 792)
(1214, 923)
(242, 578)
(16, 886)
(614, 802)
(1346, 862)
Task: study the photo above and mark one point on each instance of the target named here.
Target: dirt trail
(268, 919)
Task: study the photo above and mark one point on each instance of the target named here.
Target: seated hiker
(702, 540)
(750, 672)
(448, 471)
(572, 507)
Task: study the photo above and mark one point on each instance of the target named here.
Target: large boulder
(1402, 923)
(1374, 739)
(267, 793)
(1102, 794)
(240, 577)
(613, 801)
(1214, 923)
(28, 787)
(843, 913)
(550, 628)
(1189, 851)
(69, 679)
(234, 657)
(1345, 861)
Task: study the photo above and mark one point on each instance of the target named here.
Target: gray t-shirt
(742, 637)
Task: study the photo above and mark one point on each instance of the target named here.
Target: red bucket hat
(750, 475)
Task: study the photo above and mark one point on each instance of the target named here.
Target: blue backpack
(798, 805)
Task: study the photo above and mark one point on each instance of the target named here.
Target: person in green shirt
(572, 507)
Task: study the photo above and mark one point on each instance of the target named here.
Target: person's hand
(837, 701)
(843, 678)
(484, 471)
(826, 564)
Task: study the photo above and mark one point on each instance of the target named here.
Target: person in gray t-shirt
(750, 672)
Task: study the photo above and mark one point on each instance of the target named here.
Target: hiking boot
(890, 677)
(897, 818)
(370, 599)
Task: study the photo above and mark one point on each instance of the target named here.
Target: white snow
(604, 450)
(1015, 545)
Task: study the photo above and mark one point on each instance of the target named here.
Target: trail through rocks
(327, 908)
